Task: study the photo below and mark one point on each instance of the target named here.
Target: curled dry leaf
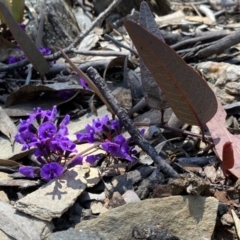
(7, 127)
(187, 93)
(152, 92)
(222, 139)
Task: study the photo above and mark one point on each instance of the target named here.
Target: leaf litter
(163, 71)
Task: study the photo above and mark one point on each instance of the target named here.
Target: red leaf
(227, 158)
(221, 136)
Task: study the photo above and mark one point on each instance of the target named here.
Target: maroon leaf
(191, 99)
(221, 136)
(227, 158)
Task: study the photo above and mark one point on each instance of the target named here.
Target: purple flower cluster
(108, 133)
(14, 59)
(52, 147)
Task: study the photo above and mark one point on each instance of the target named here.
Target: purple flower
(42, 116)
(88, 136)
(99, 130)
(116, 126)
(83, 83)
(91, 159)
(65, 94)
(14, 59)
(27, 139)
(65, 121)
(22, 26)
(27, 171)
(118, 148)
(101, 125)
(76, 161)
(45, 51)
(51, 170)
(47, 130)
(67, 145)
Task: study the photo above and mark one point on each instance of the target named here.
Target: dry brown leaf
(7, 127)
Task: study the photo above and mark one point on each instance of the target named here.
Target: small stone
(146, 171)
(121, 183)
(116, 200)
(222, 208)
(54, 198)
(130, 196)
(161, 191)
(86, 196)
(93, 177)
(191, 183)
(135, 176)
(97, 208)
(211, 173)
(145, 159)
(3, 197)
(227, 219)
(4, 176)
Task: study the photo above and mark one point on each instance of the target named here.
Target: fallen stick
(129, 125)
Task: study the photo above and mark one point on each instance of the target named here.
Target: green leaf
(18, 9)
(8, 4)
(26, 44)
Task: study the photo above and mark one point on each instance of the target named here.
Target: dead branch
(128, 124)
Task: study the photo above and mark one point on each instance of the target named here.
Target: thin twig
(100, 53)
(68, 49)
(220, 45)
(128, 124)
(88, 81)
(108, 37)
(166, 127)
(206, 37)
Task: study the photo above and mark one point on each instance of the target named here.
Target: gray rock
(121, 183)
(97, 208)
(3, 236)
(146, 159)
(93, 177)
(147, 185)
(130, 196)
(146, 170)
(135, 176)
(3, 196)
(72, 234)
(21, 226)
(116, 200)
(186, 217)
(86, 196)
(54, 198)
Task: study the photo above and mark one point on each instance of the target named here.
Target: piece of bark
(60, 27)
